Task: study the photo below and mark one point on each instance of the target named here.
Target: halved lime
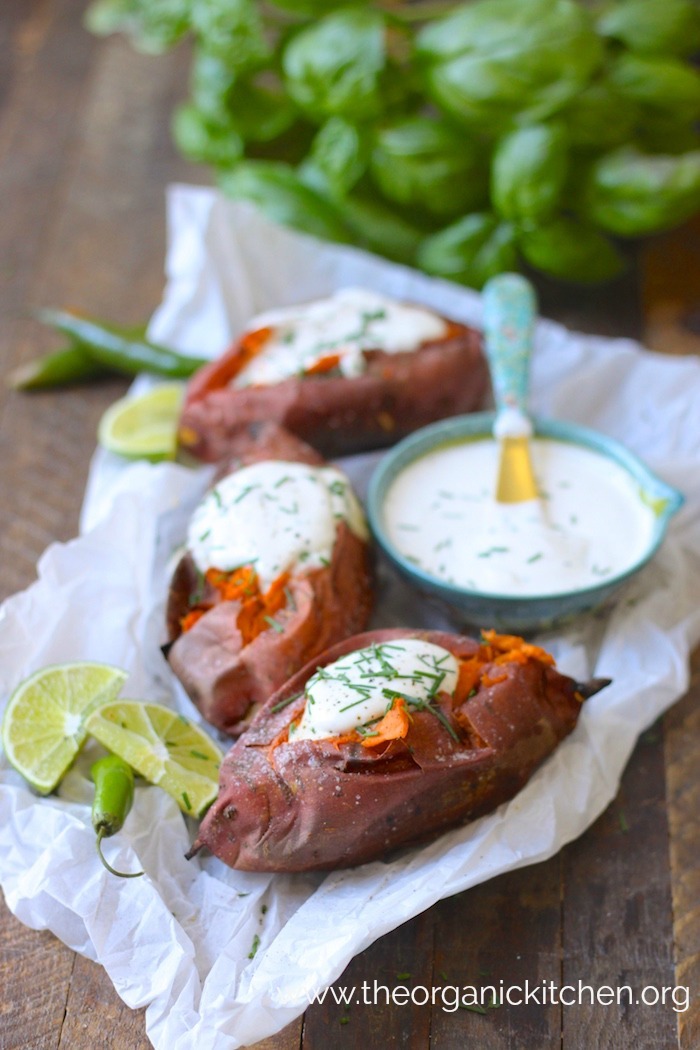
(143, 427)
(164, 747)
(43, 727)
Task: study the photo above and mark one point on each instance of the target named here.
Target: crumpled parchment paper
(179, 940)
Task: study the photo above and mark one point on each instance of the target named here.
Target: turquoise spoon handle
(510, 308)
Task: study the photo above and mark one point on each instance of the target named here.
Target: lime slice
(143, 427)
(44, 723)
(163, 747)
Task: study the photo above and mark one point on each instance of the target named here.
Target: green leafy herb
(468, 137)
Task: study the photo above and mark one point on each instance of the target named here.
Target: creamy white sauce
(359, 688)
(590, 523)
(281, 517)
(348, 323)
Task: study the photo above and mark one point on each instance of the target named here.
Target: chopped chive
(199, 754)
(535, 557)
(204, 535)
(285, 703)
(244, 493)
(186, 800)
(287, 477)
(493, 550)
(254, 947)
(217, 496)
(324, 561)
(274, 624)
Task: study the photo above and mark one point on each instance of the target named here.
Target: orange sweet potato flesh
(225, 673)
(327, 804)
(397, 393)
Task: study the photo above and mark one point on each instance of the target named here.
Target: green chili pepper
(118, 348)
(70, 364)
(114, 794)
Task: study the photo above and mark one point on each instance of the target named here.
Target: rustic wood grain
(682, 754)
(504, 931)
(616, 913)
(403, 959)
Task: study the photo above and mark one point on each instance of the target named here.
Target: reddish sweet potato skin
(397, 394)
(306, 805)
(228, 680)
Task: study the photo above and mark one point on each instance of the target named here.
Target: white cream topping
(358, 689)
(590, 523)
(348, 323)
(279, 516)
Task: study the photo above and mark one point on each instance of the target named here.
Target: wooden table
(85, 156)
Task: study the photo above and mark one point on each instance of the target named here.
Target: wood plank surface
(85, 157)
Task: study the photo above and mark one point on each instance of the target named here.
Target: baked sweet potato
(423, 766)
(234, 636)
(346, 394)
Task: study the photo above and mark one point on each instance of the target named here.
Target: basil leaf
(204, 142)
(232, 31)
(154, 25)
(333, 67)
(279, 193)
(309, 7)
(599, 118)
(380, 229)
(632, 194)
(529, 171)
(471, 250)
(494, 60)
(426, 162)
(662, 84)
(337, 159)
(668, 28)
(571, 250)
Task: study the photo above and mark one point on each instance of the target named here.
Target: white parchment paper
(179, 940)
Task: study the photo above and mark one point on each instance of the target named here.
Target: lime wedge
(164, 747)
(143, 427)
(43, 727)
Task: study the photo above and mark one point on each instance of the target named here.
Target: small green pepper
(114, 794)
(119, 349)
(69, 365)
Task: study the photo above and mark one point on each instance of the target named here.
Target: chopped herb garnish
(291, 604)
(281, 481)
(245, 492)
(337, 488)
(493, 550)
(274, 624)
(535, 557)
(254, 947)
(324, 561)
(204, 535)
(285, 703)
(186, 799)
(199, 754)
(423, 705)
(217, 496)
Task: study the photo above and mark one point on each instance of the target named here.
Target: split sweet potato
(396, 394)
(230, 643)
(327, 803)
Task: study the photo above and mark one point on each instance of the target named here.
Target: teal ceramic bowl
(517, 613)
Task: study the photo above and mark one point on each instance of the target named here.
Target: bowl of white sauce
(600, 517)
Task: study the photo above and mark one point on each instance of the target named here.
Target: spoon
(510, 309)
